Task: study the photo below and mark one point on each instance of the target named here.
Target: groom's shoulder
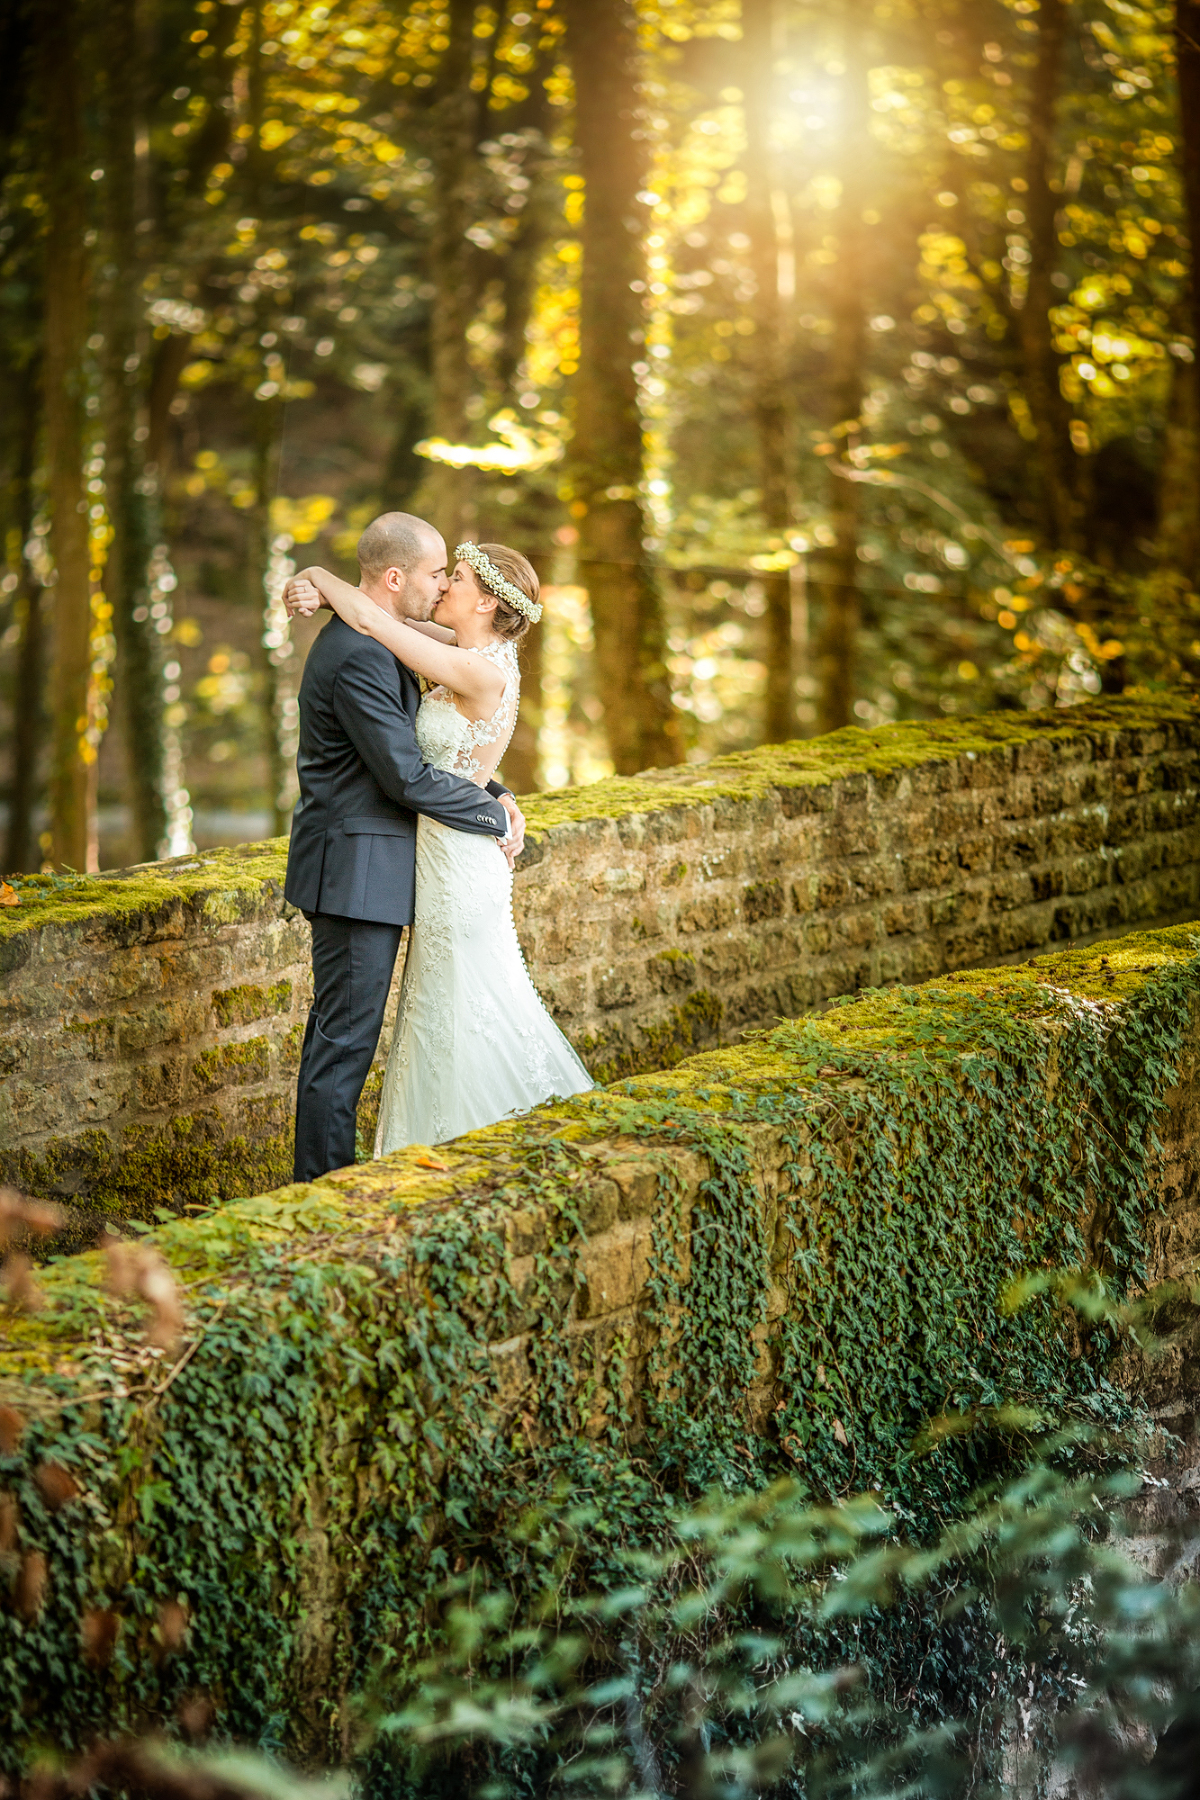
(338, 645)
(366, 653)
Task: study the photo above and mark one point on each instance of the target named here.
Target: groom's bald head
(402, 565)
(395, 540)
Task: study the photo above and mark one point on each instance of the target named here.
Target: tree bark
(139, 669)
(522, 758)
(1187, 52)
(760, 31)
(275, 646)
(446, 495)
(21, 854)
(1048, 410)
(72, 781)
(1179, 475)
(607, 453)
(836, 572)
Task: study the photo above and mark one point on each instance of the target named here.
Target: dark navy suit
(352, 866)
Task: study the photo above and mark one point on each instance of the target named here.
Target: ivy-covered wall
(149, 1022)
(789, 1255)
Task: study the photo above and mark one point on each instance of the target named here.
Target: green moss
(663, 1044)
(240, 1063)
(221, 885)
(190, 1160)
(817, 762)
(368, 1114)
(224, 885)
(242, 1005)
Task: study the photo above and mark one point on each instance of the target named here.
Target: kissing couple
(400, 821)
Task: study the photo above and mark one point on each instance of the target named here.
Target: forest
(833, 360)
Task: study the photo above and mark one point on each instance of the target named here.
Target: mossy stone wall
(149, 1021)
(785, 1256)
(149, 1034)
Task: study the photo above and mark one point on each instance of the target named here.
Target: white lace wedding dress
(473, 1041)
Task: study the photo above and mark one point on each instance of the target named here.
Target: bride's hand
(514, 843)
(301, 597)
(349, 603)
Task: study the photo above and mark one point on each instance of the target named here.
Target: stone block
(161, 1085)
(599, 1206)
(712, 913)
(614, 882)
(1083, 873)
(834, 889)
(858, 928)
(673, 971)
(763, 900)
(1009, 891)
(976, 854)
(872, 876)
(613, 1268)
(621, 987)
(905, 916)
(1019, 846)
(512, 1375)
(637, 1187)
(931, 869)
(1046, 884)
(1178, 847)
(818, 937)
(976, 944)
(231, 1065)
(248, 1002)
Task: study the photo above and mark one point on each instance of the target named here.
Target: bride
(473, 1042)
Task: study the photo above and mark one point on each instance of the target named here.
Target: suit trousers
(353, 960)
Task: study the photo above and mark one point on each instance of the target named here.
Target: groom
(352, 859)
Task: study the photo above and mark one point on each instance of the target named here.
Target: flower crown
(495, 583)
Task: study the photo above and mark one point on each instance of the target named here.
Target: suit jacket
(363, 780)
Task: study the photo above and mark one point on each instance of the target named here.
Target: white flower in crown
(495, 582)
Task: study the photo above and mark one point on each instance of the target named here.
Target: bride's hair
(507, 622)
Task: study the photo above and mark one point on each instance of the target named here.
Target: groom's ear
(394, 580)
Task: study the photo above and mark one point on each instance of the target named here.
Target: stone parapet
(782, 1257)
(149, 1021)
(150, 1028)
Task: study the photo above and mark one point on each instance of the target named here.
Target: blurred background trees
(834, 363)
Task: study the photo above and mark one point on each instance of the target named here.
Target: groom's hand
(301, 597)
(514, 843)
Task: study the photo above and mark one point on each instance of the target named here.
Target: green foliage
(722, 1665)
(334, 1441)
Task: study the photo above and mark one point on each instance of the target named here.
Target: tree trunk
(1179, 477)
(627, 619)
(760, 32)
(72, 781)
(125, 580)
(1187, 50)
(448, 496)
(836, 572)
(522, 758)
(1048, 410)
(275, 645)
(21, 854)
